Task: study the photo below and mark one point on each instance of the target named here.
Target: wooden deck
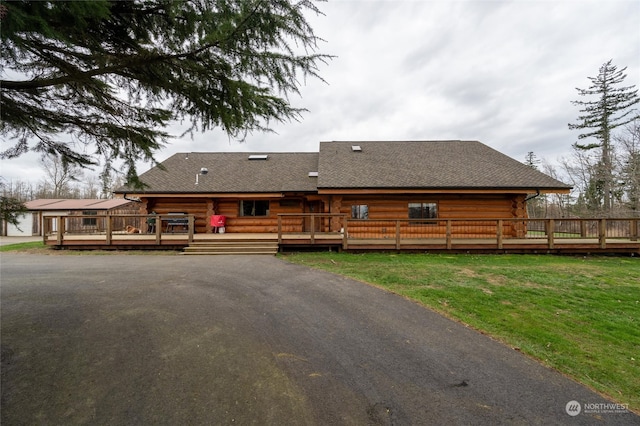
(459, 235)
(489, 245)
(337, 242)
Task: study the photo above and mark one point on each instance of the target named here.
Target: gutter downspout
(531, 197)
(136, 200)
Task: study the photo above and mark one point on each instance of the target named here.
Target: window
(360, 211)
(254, 208)
(423, 211)
(89, 221)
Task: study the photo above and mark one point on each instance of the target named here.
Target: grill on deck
(180, 221)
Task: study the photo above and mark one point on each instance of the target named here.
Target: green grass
(578, 315)
(23, 246)
(555, 234)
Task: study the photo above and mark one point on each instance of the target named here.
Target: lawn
(23, 246)
(579, 315)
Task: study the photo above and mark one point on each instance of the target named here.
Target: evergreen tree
(11, 207)
(534, 201)
(531, 160)
(611, 108)
(114, 74)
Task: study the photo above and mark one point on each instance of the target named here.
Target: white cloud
(502, 72)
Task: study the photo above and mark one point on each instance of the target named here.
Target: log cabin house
(421, 181)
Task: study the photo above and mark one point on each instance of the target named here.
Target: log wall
(203, 208)
(260, 224)
(380, 208)
(194, 206)
(449, 207)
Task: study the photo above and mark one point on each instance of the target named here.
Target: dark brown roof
(384, 165)
(232, 172)
(53, 204)
(425, 164)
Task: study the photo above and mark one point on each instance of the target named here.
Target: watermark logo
(573, 408)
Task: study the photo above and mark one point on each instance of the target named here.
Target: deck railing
(455, 231)
(310, 224)
(336, 229)
(156, 227)
(448, 233)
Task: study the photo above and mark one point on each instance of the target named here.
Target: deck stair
(232, 247)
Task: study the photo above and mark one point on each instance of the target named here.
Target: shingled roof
(232, 172)
(376, 165)
(63, 204)
(425, 164)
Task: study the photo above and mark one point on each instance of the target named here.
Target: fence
(337, 229)
(309, 224)
(403, 233)
(106, 227)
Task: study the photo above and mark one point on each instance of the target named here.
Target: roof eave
(213, 194)
(439, 190)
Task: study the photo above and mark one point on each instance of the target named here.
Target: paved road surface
(177, 340)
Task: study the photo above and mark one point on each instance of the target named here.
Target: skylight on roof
(356, 148)
(313, 174)
(258, 157)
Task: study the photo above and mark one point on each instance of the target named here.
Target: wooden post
(335, 205)
(633, 228)
(602, 233)
(60, 220)
(191, 221)
(449, 245)
(108, 229)
(43, 227)
(279, 229)
(583, 228)
(551, 227)
(397, 234)
(158, 229)
(345, 243)
(210, 212)
(313, 228)
(499, 233)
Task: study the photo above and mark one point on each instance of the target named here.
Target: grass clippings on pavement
(579, 315)
(38, 247)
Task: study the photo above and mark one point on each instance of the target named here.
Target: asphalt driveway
(156, 339)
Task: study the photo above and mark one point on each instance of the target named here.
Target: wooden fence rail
(177, 230)
(111, 228)
(452, 233)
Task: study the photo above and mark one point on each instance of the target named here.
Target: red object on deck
(218, 221)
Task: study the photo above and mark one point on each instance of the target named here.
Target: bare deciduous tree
(629, 144)
(59, 176)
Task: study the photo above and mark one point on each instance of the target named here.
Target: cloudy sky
(501, 72)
